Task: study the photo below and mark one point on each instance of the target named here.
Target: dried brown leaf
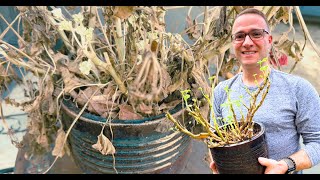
(73, 66)
(123, 12)
(110, 91)
(230, 63)
(289, 47)
(36, 49)
(127, 113)
(60, 57)
(283, 14)
(102, 107)
(104, 145)
(99, 103)
(166, 79)
(220, 27)
(146, 109)
(47, 103)
(89, 91)
(200, 82)
(70, 80)
(59, 149)
(169, 105)
(42, 138)
(178, 83)
(205, 110)
(193, 30)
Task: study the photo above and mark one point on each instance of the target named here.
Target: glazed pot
(242, 157)
(142, 146)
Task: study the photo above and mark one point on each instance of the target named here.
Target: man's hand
(214, 168)
(273, 166)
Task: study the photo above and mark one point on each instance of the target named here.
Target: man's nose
(247, 41)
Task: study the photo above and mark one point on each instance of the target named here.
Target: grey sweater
(290, 110)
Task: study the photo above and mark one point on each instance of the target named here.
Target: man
(291, 108)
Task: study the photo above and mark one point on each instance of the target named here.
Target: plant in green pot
(235, 144)
(103, 78)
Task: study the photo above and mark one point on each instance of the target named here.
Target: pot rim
(69, 107)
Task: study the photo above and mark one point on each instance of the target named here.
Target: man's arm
(301, 159)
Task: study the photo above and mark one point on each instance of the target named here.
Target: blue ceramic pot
(142, 146)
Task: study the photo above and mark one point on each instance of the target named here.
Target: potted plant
(106, 75)
(235, 143)
(118, 66)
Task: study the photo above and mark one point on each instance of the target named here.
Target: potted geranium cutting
(235, 144)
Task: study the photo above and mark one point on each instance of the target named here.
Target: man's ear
(270, 39)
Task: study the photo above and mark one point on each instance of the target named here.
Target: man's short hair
(254, 11)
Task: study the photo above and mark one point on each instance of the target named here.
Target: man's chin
(249, 61)
(250, 64)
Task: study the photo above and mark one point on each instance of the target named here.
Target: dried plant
(116, 62)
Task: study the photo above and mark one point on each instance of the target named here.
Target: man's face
(249, 52)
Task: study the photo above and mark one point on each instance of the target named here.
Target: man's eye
(239, 36)
(256, 34)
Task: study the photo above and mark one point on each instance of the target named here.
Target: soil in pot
(242, 157)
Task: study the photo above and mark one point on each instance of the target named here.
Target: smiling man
(291, 109)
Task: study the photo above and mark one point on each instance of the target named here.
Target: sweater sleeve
(308, 119)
